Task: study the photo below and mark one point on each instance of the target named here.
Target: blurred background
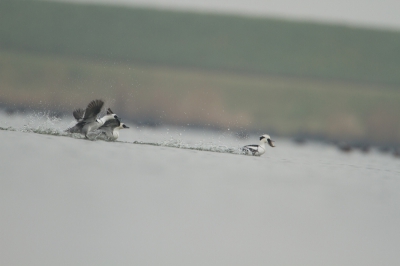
(318, 70)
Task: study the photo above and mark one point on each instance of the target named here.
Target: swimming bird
(87, 119)
(110, 129)
(258, 150)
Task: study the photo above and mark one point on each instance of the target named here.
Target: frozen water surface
(68, 201)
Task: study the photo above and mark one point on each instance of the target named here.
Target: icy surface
(69, 201)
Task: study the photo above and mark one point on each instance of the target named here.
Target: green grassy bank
(165, 67)
(252, 45)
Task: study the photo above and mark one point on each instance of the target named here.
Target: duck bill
(271, 143)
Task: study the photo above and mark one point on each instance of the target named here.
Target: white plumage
(110, 129)
(87, 120)
(258, 150)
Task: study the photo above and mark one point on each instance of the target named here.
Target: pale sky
(367, 13)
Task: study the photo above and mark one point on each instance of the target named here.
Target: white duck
(110, 129)
(258, 150)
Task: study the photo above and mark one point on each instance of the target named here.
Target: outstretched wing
(93, 109)
(78, 114)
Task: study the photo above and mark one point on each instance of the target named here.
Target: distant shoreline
(345, 13)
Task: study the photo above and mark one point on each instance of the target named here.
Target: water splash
(43, 123)
(8, 129)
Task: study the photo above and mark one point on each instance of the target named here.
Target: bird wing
(78, 114)
(112, 123)
(77, 128)
(250, 148)
(92, 110)
(109, 112)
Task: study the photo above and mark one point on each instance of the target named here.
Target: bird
(258, 150)
(110, 129)
(87, 120)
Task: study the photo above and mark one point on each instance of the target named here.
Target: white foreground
(66, 201)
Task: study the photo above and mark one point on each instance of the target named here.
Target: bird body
(110, 130)
(92, 126)
(255, 150)
(258, 150)
(87, 120)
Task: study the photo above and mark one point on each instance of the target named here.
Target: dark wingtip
(109, 112)
(98, 104)
(78, 114)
